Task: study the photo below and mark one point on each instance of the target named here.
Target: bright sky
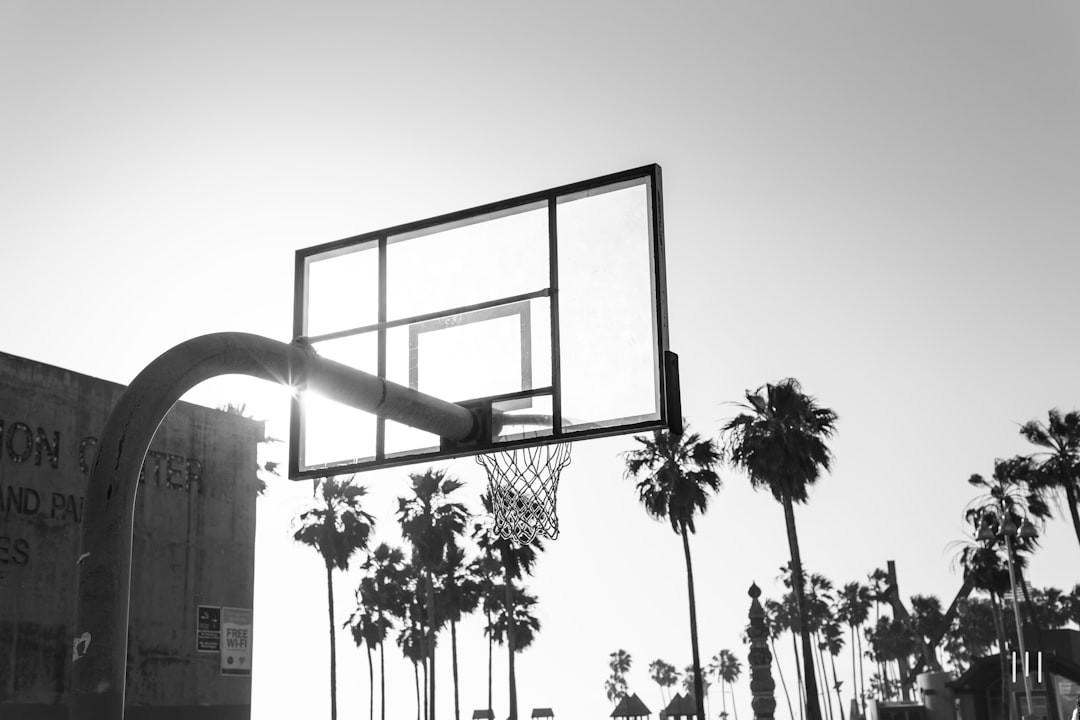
(878, 199)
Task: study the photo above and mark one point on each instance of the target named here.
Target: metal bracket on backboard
(481, 436)
(674, 399)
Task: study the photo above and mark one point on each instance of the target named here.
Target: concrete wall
(194, 544)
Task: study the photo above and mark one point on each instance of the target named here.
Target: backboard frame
(666, 374)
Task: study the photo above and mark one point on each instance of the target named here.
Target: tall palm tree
(460, 594)
(411, 640)
(776, 619)
(819, 598)
(780, 443)
(366, 632)
(987, 570)
(832, 641)
(853, 608)
(675, 475)
(1059, 462)
(433, 524)
(727, 668)
(487, 570)
(516, 561)
(514, 624)
(1009, 501)
(383, 590)
(665, 675)
(337, 527)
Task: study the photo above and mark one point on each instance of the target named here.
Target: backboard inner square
(472, 355)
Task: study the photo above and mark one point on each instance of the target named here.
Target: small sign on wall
(236, 626)
(208, 634)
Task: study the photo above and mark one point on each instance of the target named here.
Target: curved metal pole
(99, 652)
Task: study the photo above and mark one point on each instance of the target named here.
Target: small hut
(483, 715)
(632, 708)
(681, 706)
(544, 713)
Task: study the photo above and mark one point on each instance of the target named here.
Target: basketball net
(522, 484)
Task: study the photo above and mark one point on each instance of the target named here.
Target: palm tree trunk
(453, 651)
(416, 678)
(487, 613)
(382, 680)
(723, 698)
(427, 707)
(333, 642)
(854, 677)
(430, 597)
(862, 677)
(836, 686)
(783, 682)
(510, 644)
(824, 675)
(813, 710)
(371, 684)
(699, 699)
(734, 705)
(1071, 501)
(798, 675)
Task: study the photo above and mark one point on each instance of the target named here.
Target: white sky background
(880, 201)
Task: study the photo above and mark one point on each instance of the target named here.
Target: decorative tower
(760, 660)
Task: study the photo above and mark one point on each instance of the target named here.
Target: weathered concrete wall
(194, 544)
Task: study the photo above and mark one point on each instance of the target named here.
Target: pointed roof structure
(631, 706)
(483, 715)
(542, 713)
(681, 706)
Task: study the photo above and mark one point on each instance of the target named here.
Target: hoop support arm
(99, 648)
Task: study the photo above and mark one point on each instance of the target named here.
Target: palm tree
(727, 669)
(337, 527)
(665, 675)
(987, 571)
(516, 561)
(383, 590)
(487, 570)
(832, 641)
(676, 474)
(972, 634)
(926, 617)
(514, 624)
(433, 524)
(459, 595)
(853, 608)
(776, 618)
(890, 641)
(411, 640)
(1007, 502)
(819, 613)
(1059, 469)
(366, 632)
(780, 443)
(620, 662)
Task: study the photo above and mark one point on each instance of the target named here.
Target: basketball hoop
(522, 484)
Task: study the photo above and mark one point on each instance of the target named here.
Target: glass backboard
(547, 311)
